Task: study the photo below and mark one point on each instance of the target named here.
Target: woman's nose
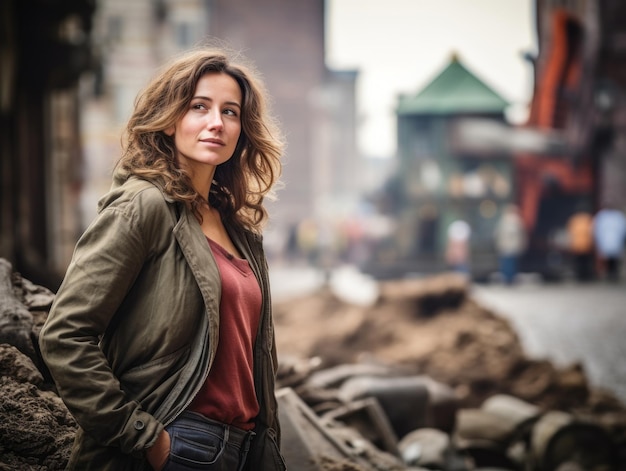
(214, 120)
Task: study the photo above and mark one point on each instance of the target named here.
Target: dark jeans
(508, 268)
(198, 443)
(612, 268)
(583, 266)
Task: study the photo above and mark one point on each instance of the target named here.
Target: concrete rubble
(421, 377)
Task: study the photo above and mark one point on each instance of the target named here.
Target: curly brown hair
(241, 184)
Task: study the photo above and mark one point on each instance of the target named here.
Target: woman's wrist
(158, 453)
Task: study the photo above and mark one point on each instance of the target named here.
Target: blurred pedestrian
(160, 339)
(511, 240)
(609, 230)
(308, 240)
(458, 247)
(581, 244)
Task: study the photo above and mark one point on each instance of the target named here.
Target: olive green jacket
(133, 330)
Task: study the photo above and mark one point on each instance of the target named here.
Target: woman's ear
(170, 131)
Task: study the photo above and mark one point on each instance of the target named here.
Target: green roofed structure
(440, 179)
(455, 90)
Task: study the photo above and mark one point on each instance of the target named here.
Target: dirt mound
(428, 326)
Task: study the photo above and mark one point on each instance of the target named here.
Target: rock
(17, 366)
(426, 447)
(16, 322)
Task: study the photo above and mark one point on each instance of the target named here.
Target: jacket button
(139, 425)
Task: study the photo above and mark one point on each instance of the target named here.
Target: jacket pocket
(142, 380)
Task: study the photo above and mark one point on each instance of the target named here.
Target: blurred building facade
(44, 49)
(439, 182)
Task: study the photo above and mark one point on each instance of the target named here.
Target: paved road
(568, 323)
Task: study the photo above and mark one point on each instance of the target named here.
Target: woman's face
(207, 134)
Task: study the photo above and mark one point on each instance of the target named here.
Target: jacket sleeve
(106, 261)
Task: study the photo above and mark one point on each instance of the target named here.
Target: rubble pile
(421, 377)
(438, 381)
(428, 326)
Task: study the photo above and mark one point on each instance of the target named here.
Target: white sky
(400, 45)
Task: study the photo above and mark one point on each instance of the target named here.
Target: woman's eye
(230, 112)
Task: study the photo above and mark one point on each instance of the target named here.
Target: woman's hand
(158, 453)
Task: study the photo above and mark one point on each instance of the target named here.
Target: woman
(160, 339)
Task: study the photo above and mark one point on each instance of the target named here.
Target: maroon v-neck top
(228, 394)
